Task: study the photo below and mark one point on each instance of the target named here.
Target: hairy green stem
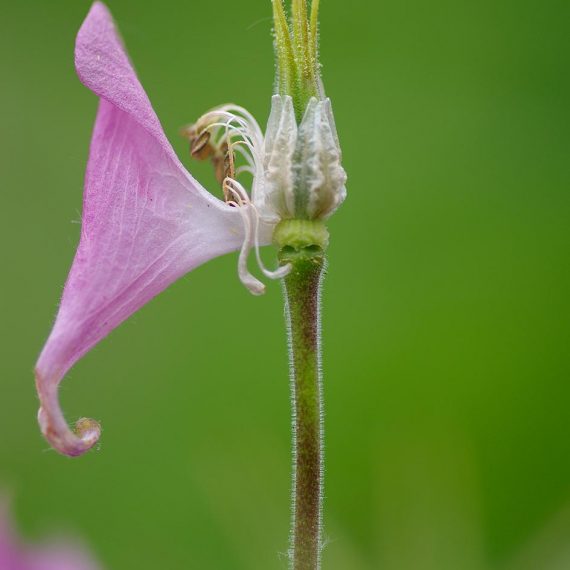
(302, 289)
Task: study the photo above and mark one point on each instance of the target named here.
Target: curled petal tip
(72, 443)
(54, 427)
(88, 430)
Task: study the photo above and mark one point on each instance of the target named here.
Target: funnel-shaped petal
(146, 222)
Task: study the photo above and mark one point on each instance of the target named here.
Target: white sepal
(319, 178)
(280, 140)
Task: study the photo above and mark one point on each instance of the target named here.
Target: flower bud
(296, 53)
(304, 178)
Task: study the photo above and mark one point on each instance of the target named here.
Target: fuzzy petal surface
(145, 223)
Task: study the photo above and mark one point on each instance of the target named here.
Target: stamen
(228, 130)
(249, 117)
(237, 190)
(244, 168)
(254, 285)
(244, 137)
(238, 145)
(278, 273)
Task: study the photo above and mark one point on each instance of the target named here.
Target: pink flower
(146, 222)
(53, 556)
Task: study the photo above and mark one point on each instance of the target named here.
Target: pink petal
(9, 551)
(58, 557)
(52, 556)
(146, 222)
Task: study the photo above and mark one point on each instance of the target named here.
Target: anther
(200, 147)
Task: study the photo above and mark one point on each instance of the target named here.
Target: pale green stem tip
(301, 234)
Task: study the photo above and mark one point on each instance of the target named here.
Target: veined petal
(146, 222)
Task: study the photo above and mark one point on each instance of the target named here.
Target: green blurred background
(446, 307)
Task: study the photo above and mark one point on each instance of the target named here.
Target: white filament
(235, 126)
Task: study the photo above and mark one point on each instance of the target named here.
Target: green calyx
(300, 238)
(296, 50)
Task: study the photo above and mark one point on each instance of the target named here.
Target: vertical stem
(302, 295)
